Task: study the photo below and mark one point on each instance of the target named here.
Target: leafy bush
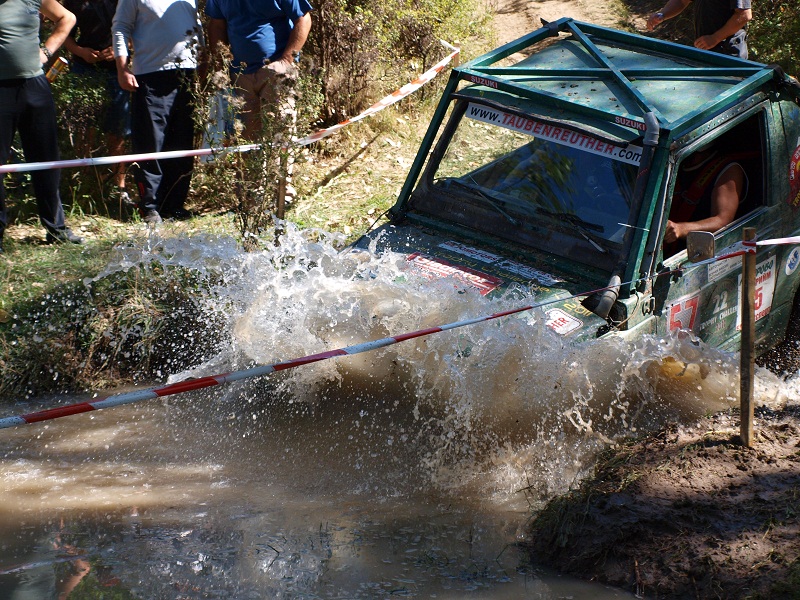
(360, 49)
(774, 35)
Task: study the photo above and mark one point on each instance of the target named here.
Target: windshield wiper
(581, 226)
(493, 202)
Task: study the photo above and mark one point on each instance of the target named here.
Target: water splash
(505, 405)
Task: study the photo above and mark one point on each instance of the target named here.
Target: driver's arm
(725, 199)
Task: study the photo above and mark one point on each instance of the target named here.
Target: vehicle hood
(491, 272)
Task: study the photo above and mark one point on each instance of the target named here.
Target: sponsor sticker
(511, 266)
(554, 133)
(431, 267)
(626, 122)
(794, 179)
(683, 313)
(718, 270)
(792, 261)
(562, 322)
(765, 290)
(465, 250)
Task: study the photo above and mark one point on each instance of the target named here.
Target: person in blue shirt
(265, 38)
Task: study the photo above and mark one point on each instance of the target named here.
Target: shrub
(774, 35)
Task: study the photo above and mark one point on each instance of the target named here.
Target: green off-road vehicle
(552, 162)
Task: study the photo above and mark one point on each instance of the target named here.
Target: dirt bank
(687, 513)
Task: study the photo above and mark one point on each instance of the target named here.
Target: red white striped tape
(123, 158)
(214, 380)
(395, 96)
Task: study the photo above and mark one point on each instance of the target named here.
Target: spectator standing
(166, 37)
(90, 45)
(26, 104)
(719, 25)
(265, 37)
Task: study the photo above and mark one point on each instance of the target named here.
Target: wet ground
(192, 500)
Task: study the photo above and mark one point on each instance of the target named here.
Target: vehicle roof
(611, 79)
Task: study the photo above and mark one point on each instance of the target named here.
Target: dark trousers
(26, 105)
(161, 121)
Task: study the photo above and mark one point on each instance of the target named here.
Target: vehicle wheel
(784, 359)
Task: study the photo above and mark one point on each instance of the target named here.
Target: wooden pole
(747, 353)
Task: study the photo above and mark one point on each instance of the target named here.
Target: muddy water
(410, 471)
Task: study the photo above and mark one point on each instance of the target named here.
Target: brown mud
(686, 513)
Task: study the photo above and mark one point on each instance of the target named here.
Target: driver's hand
(674, 232)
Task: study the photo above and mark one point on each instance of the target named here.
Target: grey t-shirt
(165, 34)
(711, 15)
(19, 39)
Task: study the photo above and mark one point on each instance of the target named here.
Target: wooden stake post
(747, 353)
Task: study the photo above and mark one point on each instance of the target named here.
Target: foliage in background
(246, 183)
(82, 103)
(361, 50)
(774, 35)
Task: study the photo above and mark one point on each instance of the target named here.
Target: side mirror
(700, 246)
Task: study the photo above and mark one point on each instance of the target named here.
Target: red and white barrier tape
(214, 380)
(395, 96)
(123, 158)
(773, 242)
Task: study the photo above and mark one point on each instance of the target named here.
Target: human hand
(89, 55)
(705, 42)
(106, 54)
(674, 232)
(655, 20)
(127, 80)
(284, 66)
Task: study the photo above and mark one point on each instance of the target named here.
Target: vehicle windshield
(533, 174)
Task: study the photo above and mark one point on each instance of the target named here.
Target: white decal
(792, 261)
(509, 265)
(480, 255)
(561, 322)
(529, 272)
(554, 133)
(765, 289)
(718, 270)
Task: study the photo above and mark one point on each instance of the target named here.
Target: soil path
(515, 18)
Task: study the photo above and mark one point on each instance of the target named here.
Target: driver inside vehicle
(710, 186)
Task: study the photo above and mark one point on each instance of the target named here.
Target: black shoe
(179, 214)
(151, 216)
(63, 236)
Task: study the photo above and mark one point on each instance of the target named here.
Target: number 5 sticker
(765, 289)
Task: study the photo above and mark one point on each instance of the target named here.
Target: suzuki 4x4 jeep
(557, 171)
